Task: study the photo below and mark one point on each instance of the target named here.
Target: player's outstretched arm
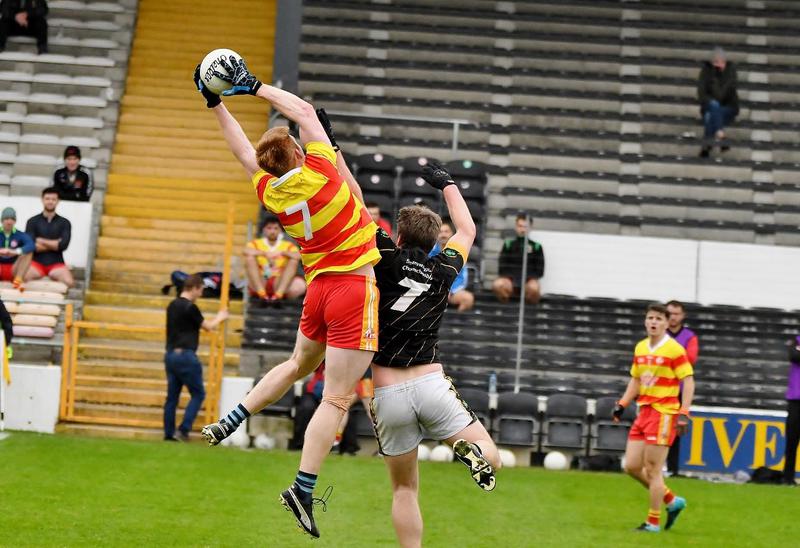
(234, 135)
(237, 141)
(288, 104)
(341, 164)
(438, 177)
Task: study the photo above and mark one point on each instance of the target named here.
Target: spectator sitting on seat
(509, 269)
(24, 18)
(719, 102)
(460, 296)
(73, 181)
(51, 233)
(17, 251)
(271, 264)
(375, 212)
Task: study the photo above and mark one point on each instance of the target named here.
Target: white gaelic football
(556, 460)
(423, 452)
(264, 441)
(508, 458)
(442, 453)
(211, 62)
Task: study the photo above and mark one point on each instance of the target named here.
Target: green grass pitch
(72, 491)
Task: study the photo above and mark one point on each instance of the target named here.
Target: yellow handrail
(216, 358)
(65, 360)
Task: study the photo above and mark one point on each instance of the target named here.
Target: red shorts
(654, 427)
(6, 273)
(45, 270)
(341, 310)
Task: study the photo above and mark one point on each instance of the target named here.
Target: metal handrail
(455, 122)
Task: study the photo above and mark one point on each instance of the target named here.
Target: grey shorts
(426, 407)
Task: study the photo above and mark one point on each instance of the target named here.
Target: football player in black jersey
(413, 397)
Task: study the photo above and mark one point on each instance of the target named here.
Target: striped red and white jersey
(660, 370)
(316, 208)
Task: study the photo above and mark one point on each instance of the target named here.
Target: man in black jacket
(51, 233)
(509, 269)
(73, 181)
(719, 103)
(24, 17)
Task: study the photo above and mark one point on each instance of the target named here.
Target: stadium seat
(415, 185)
(376, 182)
(283, 407)
(466, 169)
(414, 164)
(517, 421)
(386, 203)
(565, 421)
(375, 162)
(429, 201)
(607, 435)
(363, 423)
(478, 401)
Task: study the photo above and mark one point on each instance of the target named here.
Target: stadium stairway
(170, 180)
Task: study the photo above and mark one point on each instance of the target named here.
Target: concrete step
(140, 253)
(108, 269)
(152, 281)
(170, 225)
(124, 396)
(185, 99)
(94, 297)
(122, 368)
(232, 339)
(106, 381)
(205, 194)
(151, 414)
(131, 119)
(176, 153)
(133, 287)
(230, 185)
(171, 237)
(127, 207)
(146, 351)
(200, 173)
(138, 316)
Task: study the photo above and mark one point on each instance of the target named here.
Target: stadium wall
(635, 267)
(32, 398)
(79, 215)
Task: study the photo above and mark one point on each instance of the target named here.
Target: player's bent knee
(340, 402)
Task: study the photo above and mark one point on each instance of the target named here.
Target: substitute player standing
(336, 235)
(413, 398)
(659, 365)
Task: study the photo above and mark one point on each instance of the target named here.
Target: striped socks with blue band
(237, 416)
(304, 485)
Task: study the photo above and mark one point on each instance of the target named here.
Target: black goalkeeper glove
(322, 116)
(437, 176)
(618, 411)
(212, 99)
(243, 82)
